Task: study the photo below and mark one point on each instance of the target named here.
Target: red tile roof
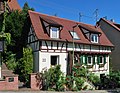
(13, 5)
(67, 26)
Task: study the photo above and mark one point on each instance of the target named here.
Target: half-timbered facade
(60, 41)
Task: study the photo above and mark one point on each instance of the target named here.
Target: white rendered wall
(45, 60)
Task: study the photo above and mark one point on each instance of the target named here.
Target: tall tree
(16, 23)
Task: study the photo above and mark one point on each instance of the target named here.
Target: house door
(54, 60)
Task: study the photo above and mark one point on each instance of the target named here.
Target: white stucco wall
(45, 60)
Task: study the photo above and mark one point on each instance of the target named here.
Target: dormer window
(94, 38)
(54, 32)
(74, 35)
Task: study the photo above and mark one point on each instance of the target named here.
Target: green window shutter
(81, 59)
(98, 59)
(93, 60)
(105, 59)
(85, 59)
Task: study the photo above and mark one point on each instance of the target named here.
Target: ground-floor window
(101, 59)
(93, 59)
(54, 60)
(89, 60)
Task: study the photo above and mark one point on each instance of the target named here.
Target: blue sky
(70, 9)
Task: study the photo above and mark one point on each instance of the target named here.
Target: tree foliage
(10, 61)
(25, 65)
(18, 57)
(16, 24)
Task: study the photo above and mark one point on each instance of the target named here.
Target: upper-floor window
(94, 38)
(74, 35)
(54, 32)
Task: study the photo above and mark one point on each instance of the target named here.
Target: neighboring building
(56, 40)
(112, 31)
(11, 5)
(8, 80)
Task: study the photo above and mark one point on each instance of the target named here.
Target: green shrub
(115, 76)
(10, 61)
(93, 78)
(54, 79)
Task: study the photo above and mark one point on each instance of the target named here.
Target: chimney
(112, 20)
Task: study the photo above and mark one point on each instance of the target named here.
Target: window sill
(90, 66)
(101, 65)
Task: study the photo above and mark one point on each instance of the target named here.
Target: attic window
(54, 32)
(94, 38)
(74, 35)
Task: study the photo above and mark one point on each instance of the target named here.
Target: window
(54, 60)
(89, 60)
(101, 59)
(74, 35)
(94, 38)
(54, 32)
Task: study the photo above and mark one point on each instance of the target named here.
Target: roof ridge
(111, 23)
(59, 18)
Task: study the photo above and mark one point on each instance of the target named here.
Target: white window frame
(95, 38)
(74, 35)
(51, 32)
(102, 60)
(91, 60)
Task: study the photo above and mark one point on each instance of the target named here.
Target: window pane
(89, 60)
(54, 29)
(74, 35)
(101, 59)
(54, 32)
(94, 38)
(54, 60)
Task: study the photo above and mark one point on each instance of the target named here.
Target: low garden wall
(9, 83)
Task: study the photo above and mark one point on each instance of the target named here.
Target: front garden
(54, 79)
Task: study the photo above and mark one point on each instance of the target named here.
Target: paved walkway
(89, 91)
(27, 90)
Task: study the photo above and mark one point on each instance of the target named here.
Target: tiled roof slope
(67, 26)
(13, 4)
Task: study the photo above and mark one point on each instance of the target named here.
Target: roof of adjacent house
(13, 5)
(67, 25)
(113, 24)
